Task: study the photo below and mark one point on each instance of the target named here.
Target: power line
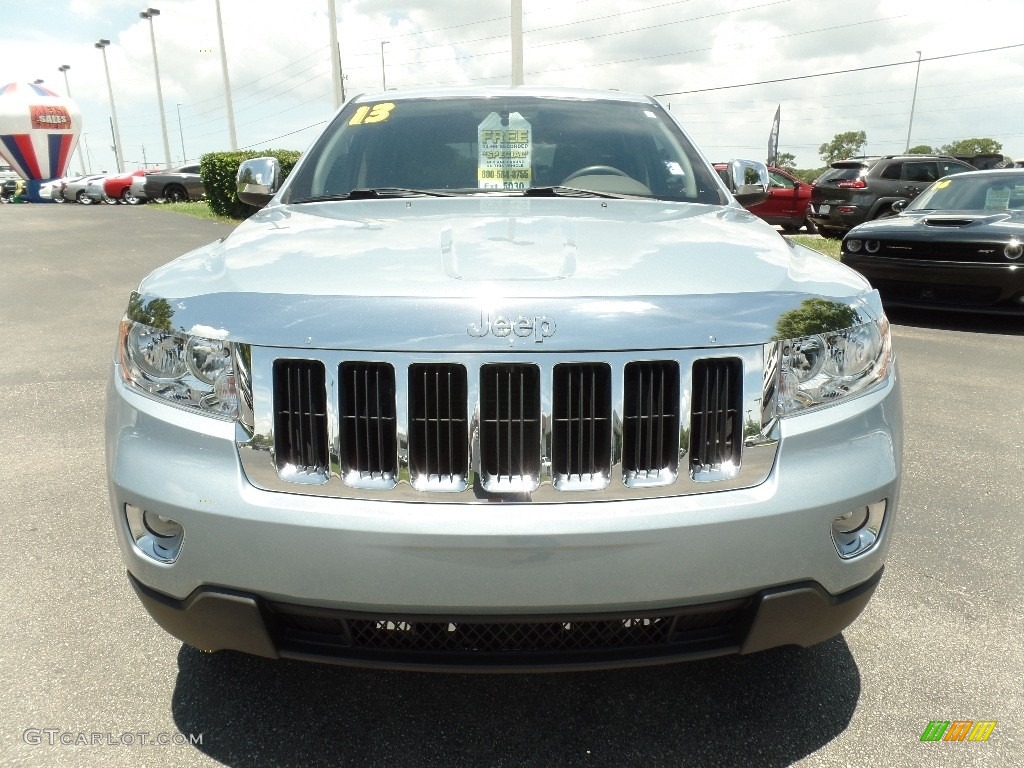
(838, 71)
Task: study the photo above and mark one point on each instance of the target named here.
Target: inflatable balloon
(38, 133)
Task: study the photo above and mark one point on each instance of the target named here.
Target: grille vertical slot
(581, 432)
(300, 421)
(438, 433)
(650, 426)
(368, 428)
(510, 428)
(716, 418)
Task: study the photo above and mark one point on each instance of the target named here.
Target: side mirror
(899, 206)
(258, 180)
(747, 180)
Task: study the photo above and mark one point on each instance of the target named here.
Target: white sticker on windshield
(505, 152)
(997, 199)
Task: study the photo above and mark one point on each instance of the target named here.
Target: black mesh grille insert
(438, 442)
(369, 443)
(650, 410)
(509, 422)
(460, 639)
(300, 416)
(581, 412)
(716, 418)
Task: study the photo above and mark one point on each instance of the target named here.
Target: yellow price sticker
(942, 184)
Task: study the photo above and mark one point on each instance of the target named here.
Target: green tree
(971, 147)
(921, 149)
(843, 145)
(814, 316)
(786, 160)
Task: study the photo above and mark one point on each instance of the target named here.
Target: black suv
(863, 188)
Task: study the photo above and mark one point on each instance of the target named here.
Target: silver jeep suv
(503, 379)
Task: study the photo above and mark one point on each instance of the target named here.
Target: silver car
(503, 379)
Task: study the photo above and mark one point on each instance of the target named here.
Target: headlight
(187, 371)
(852, 245)
(822, 369)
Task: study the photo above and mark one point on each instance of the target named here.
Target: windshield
(998, 191)
(506, 144)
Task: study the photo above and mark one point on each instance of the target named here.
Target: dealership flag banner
(773, 139)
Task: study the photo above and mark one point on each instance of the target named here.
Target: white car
(503, 379)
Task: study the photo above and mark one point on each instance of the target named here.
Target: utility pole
(67, 89)
(517, 42)
(227, 82)
(913, 101)
(149, 14)
(339, 89)
(118, 154)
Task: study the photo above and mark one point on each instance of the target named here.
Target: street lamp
(67, 89)
(227, 82)
(181, 135)
(118, 155)
(148, 14)
(913, 101)
(383, 76)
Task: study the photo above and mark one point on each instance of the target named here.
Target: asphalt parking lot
(84, 673)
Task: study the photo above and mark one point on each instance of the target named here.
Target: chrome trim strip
(760, 373)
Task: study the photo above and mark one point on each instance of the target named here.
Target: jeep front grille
(448, 428)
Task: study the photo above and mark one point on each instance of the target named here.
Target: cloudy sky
(723, 66)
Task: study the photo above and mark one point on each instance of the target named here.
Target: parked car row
(132, 188)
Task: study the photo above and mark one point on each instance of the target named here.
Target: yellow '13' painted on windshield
(378, 113)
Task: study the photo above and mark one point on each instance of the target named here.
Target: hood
(945, 225)
(403, 273)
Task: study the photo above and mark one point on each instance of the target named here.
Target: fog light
(856, 531)
(156, 536)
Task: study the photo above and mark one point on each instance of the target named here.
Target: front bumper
(968, 287)
(741, 559)
(214, 619)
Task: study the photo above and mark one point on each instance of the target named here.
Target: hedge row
(219, 170)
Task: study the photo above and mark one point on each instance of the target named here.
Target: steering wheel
(604, 170)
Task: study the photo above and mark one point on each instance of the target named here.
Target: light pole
(517, 42)
(118, 155)
(181, 135)
(383, 76)
(913, 101)
(148, 14)
(227, 82)
(339, 91)
(67, 89)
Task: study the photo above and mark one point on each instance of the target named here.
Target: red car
(120, 187)
(787, 201)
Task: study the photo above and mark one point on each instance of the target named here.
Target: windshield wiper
(562, 191)
(378, 193)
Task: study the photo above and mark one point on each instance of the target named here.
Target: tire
(175, 193)
(812, 228)
(831, 234)
(128, 198)
(791, 228)
(110, 200)
(83, 198)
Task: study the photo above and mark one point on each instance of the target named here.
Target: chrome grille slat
(369, 454)
(650, 431)
(716, 418)
(510, 435)
(300, 414)
(438, 442)
(581, 426)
